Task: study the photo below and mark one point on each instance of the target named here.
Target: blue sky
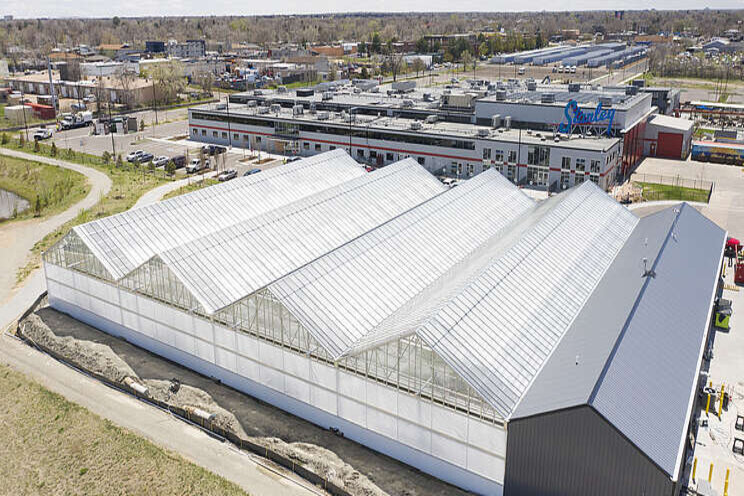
(133, 8)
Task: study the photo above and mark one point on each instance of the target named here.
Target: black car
(179, 161)
(213, 149)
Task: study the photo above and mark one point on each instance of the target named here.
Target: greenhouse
(413, 317)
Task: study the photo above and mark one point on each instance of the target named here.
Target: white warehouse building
(428, 323)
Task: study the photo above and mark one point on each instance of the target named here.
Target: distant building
(190, 49)
(8, 18)
(155, 46)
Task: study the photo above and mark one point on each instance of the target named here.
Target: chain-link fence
(657, 187)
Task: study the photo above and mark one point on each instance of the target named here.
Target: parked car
(160, 161)
(145, 157)
(293, 159)
(213, 149)
(89, 98)
(227, 175)
(179, 161)
(78, 107)
(521, 71)
(251, 172)
(135, 155)
(196, 165)
(42, 134)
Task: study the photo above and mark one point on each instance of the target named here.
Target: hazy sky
(99, 8)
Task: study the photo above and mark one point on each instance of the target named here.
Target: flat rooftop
(109, 81)
(586, 96)
(439, 128)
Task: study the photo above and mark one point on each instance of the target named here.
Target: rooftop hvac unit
(276, 108)
(416, 125)
(574, 87)
(431, 119)
(298, 110)
(323, 116)
(483, 133)
(263, 109)
(531, 86)
(446, 92)
(407, 103)
(313, 108)
(251, 103)
(631, 90)
(500, 95)
(547, 98)
(281, 89)
(220, 106)
(305, 92)
(327, 95)
(496, 121)
(606, 101)
(257, 92)
(639, 83)
(507, 122)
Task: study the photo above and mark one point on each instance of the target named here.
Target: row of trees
(43, 35)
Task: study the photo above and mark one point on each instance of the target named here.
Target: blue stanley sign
(576, 117)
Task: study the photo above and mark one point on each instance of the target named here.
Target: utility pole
(23, 104)
(111, 132)
(154, 103)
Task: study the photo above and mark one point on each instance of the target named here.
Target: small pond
(10, 201)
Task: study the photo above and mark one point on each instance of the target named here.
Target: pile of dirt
(102, 360)
(326, 464)
(187, 396)
(627, 193)
(86, 355)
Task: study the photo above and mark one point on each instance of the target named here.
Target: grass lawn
(657, 192)
(193, 186)
(129, 183)
(51, 446)
(6, 123)
(55, 187)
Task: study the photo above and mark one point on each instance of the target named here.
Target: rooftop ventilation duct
(531, 86)
(416, 125)
(482, 133)
(574, 87)
(547, 98)
(500, 95)
(606, 101)
(496, 121)
(631, 90)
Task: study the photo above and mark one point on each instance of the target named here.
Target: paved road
(17, 238)
(157, 426)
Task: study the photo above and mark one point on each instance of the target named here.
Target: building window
(486, 167)
(421, 160)
(565, 179)
(194, 132)
(317, 147)
(498, 155)
(224, 134)
(453, 168)
(594, 166)
(470, 170)
(306, 146)
(510, 171)
(332, 148)
(373, 154)
(512, 156)
(214, 134)
(580, 164)
(360, 153)
(538, 155)
(389, 157)
(236, 136)
(579, 179)
(258, 139)
(486, 154)
(204, 132)
(594, 179)
(566, 163)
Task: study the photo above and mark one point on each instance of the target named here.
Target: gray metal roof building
(504, 345)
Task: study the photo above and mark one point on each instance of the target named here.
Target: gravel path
(18, 238)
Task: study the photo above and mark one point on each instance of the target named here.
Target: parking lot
(166, 139)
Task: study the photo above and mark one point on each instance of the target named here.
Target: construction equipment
(723, 310)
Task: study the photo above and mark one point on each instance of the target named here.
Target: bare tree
(205, 80)
(395, 64)
(126, 78)
(418, 65)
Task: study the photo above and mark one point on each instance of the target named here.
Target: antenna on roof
(647, 272)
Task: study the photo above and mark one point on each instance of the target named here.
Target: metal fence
(657, 187)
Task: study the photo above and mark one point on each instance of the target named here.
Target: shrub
(36, 146)
(4, 139)
(53, 150)
(106, 157)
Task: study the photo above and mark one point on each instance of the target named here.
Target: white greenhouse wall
(450, 445)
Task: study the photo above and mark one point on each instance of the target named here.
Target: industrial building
(503, 345)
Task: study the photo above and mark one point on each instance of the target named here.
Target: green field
(658, 192)
(49, 445)
(54, 187)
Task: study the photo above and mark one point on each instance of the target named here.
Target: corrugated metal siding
(576, 452)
